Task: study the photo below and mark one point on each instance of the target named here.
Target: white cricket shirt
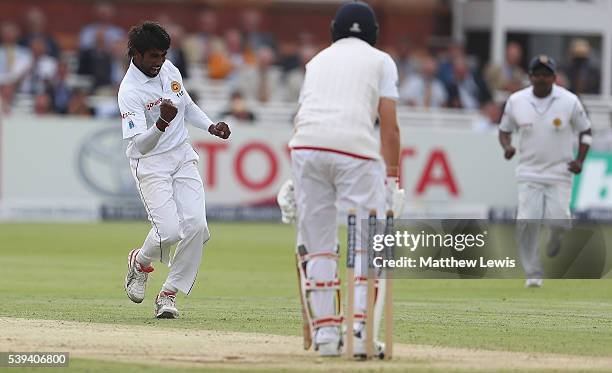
(339, 99)
(139, 99)
(548, 129)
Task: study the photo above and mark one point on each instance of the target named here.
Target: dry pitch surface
(254, 351)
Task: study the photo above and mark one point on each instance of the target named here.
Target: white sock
(169, 288)
(144, 261)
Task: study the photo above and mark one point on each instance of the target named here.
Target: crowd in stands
(252, 63)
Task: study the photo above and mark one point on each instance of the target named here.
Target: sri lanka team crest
(557, 122)
(176, 86)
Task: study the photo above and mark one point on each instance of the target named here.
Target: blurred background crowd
(79, 75)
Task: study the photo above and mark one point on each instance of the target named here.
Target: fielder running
(547, 117)
(154, 106)
(337, 160)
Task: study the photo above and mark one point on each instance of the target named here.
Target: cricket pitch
(255, 351)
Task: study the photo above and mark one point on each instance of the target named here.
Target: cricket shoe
(533, 283)
(136, 278)
(359, 344)
(327, 342)
(165, 305)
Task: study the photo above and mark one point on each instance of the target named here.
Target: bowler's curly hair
(148, 36)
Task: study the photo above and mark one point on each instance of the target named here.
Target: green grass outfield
(248, 283)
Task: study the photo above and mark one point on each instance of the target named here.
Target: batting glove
(286, 202)
(395, 196)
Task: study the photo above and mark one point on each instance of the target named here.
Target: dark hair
(148, 36)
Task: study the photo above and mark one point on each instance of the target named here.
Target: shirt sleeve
(195, 115)
(133, 119)
(146, 141)
(508, 124)
(389, 80)
(580, 119)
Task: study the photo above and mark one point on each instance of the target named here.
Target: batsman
(337, 160)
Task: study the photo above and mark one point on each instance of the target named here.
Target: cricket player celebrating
(337, 159)
(547, 117)
(154, 106)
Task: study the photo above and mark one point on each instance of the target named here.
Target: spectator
(58, 88)
(261, 82)
(78, 104)
(36, 23)
(290, 54)
(253, 37)
(226, 59)
(424, 89)
(509, 76)
(15, 62)
(42, 70)
(454, 51)
(583, 77)
(405, 61)
(176, 53)
(42, 104)
(200, 45)
(97, 62)
(238, 109)
(119, 61)
(295, 77)
(104, 14)
(288, 57)
(468, 90)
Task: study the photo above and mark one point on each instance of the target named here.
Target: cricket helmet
(355, 19)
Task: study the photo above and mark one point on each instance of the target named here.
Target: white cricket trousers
(539, 202)
(323, 181)
(172, 192)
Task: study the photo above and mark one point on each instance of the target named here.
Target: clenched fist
(509, 152)
(220, 129)
(167, 112)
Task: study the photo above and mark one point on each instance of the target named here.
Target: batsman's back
(340, 96)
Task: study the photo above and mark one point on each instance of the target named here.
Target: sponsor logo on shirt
(150, 105)
(127, 114)
(176, 86)
(131, 124)
(557, 123)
